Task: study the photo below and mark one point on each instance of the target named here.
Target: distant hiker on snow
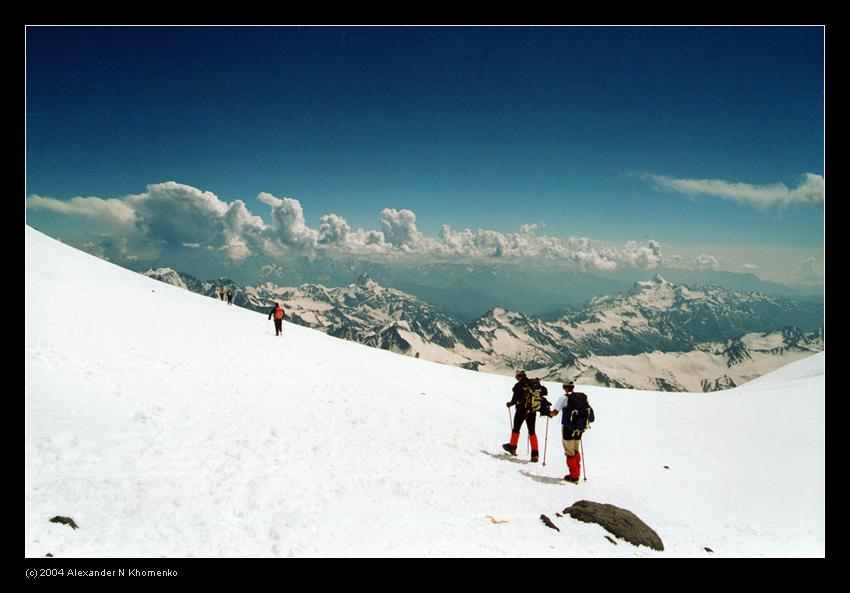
(529, 399)
(278, 315)
(575, 420)
(221, 292)
(229, 297)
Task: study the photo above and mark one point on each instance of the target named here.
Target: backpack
(278, 313)
(577, 416)
(535, 395)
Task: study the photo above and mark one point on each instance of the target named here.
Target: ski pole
(583, 462)
(510, 424)
(546, 441)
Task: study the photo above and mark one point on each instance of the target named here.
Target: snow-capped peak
(365, 281)
(167, 275)
(656, 283)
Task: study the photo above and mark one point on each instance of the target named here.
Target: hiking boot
(535, 455)
(570, 479)
(510, 448)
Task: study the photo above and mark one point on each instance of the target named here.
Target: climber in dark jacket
(529, 399)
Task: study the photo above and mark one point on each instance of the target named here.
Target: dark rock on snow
(548, 522)
(622, 523)
(64, 521)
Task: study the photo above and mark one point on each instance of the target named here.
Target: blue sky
(609, 133)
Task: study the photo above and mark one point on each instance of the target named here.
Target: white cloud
(580, 252)
(108, 212)
(399, 227)
(288, 224)
(173, 213)
(643, 256)
(811, 191)
(333, 230)
(706, 262)
(180, 215)
(748, 266)
(690, 262)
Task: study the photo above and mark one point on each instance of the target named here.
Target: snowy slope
(169, 424)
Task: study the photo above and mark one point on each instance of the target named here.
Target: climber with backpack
(278, 315)
(576, 418)
(529, 397)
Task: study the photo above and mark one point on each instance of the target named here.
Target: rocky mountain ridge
(631, 339)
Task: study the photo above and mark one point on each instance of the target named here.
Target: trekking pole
(546, 441)
(583, 461)
(510, 424)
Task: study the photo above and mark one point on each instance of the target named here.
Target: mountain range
(466, 290)
(657, 335)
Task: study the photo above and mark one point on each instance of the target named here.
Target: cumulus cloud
(580, 252)
(399, 228)
(749, 266)
(333, 230)
(179, 215)
(811, 191)
(174, 214)
(643, 256)
(288, 224)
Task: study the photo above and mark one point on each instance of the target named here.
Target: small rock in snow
(548, 522)
(64, 521)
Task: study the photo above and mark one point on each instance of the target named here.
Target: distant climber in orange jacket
(278, 315)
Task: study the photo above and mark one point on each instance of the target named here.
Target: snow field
(169, 424)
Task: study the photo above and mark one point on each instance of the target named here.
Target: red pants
(574, 463)
(515, 440)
